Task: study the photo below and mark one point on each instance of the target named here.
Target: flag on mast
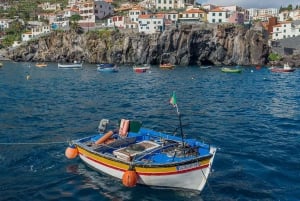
(173, 100)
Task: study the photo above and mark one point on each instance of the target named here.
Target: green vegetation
(274, 57)
(288, 8)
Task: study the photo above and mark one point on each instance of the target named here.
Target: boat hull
(188, 174)
(107, 69)
(70, 66)
(167, 66)
(231, 70)
(282, 70)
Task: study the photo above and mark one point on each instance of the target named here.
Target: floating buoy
(129, 178)
(27, 77)
(71, 152)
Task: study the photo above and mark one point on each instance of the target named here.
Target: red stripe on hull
(150, 174)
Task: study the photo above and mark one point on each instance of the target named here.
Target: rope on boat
(31, 143)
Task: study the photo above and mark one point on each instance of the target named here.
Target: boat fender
(124, 126)
(71, 152)
(129, 178)
(105, 137)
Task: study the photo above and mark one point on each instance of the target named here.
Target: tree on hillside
(74, 23)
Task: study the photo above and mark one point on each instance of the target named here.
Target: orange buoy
(71, 152)
(129, 178)
(105, 137)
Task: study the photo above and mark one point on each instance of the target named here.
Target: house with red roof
(151, 23)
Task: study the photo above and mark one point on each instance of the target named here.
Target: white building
(286, 30)
(217, 15)
(260, 13)
(86, 11)
(48, 6)
(35, 32)
(192, 15)
(135, 12)
(169, 4)
(4, 23)
(117, 21)
(151, 23)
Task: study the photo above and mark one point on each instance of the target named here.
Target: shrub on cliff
(274, 57)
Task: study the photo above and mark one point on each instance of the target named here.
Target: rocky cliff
(187, 45)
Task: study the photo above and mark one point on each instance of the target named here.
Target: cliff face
(188, 45)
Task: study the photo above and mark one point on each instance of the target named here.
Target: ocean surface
(252, 117)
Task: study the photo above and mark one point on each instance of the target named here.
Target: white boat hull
(70, 66)
(194, 177)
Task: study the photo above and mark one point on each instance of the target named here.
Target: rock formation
(186, 45)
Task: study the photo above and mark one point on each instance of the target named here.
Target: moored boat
(40, 65)
(137, 155)
(167, 66)
(141, 68)
(231, 70)
(107, 67)
(286, 69)
(74, 65)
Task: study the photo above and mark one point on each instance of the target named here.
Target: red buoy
(71, 152)
(129, 178)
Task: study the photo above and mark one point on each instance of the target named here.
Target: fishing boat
(138, 155)
(107, 67)
(74, 65)
(167, 66)
(286, 69)
(231, 70)
(40, 65)
(141, 68)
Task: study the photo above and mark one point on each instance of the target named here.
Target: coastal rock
(186, 45)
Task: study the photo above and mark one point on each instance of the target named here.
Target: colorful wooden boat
(286, 69)
(137, 155)
(167, 66)
(141, 69)
(107, 67)
(231, 70)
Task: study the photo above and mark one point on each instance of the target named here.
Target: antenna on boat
(173, 101)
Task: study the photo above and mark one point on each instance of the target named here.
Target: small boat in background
(40, 65)
(74, 65)
(286, 69)
(231, 70)
(141, 69)
(167, 66)
(107, 67)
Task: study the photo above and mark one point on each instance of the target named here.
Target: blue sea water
(253, 118)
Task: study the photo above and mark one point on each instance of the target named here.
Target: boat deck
(146, 147)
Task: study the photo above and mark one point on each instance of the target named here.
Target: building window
(213, 20)
(220, 14)
(220, 20)
(213, 14)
